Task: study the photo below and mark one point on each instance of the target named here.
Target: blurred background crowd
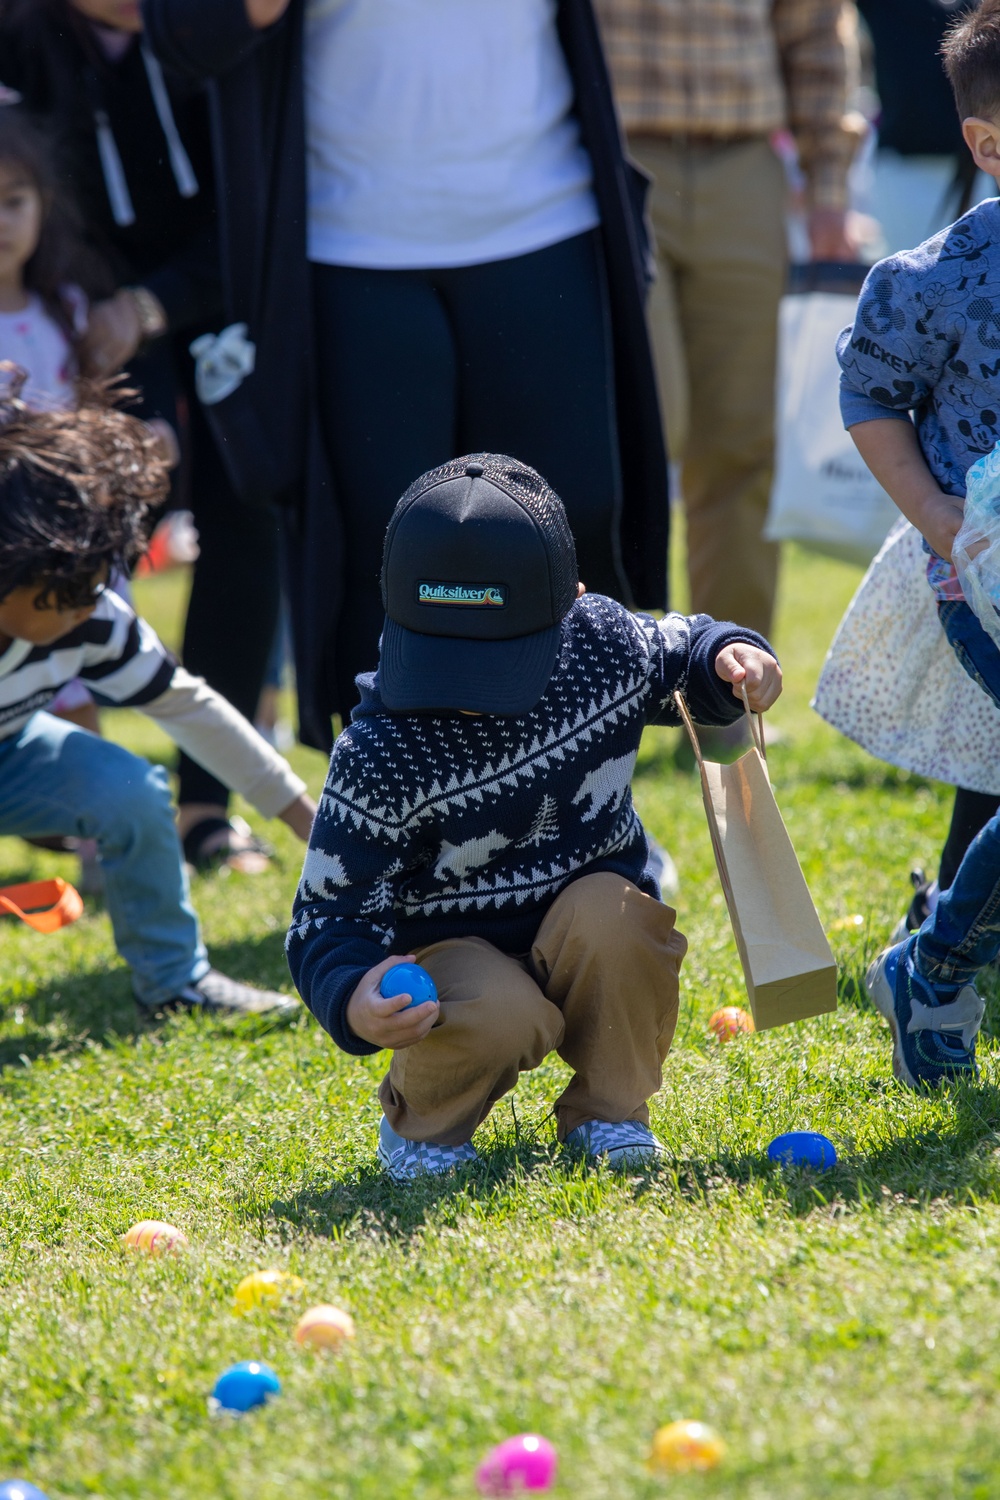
(334, 243)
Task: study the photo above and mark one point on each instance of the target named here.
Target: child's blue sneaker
(405, 1160)
(622, 1144)
(931, 1041)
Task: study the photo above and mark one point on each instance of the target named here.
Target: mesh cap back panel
(536, 497)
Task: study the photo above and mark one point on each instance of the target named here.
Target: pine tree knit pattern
(444, 826)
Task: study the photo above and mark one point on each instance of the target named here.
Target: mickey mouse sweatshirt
(445, 825)
(926, 341)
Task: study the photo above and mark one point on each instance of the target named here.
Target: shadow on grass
(97, 1006)
(400, 1210)
(956, 1163)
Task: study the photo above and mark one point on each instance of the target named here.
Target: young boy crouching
(75, 491)
(478, 817)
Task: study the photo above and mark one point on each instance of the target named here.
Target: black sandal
(194, 841)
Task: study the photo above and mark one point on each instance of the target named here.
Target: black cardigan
(259, 127)
(62, 79)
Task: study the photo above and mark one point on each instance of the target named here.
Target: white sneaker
(623, 1144)
(404, 1160)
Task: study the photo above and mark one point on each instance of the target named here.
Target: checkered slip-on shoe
(625, 1144)
(404, 1160)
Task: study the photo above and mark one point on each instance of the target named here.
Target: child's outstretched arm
(709, 661)
(209, 729)
(892, 451)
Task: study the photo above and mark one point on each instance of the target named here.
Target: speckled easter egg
(154, 1237)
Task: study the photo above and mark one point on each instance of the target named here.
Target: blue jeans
(963, 934)
(57, 779)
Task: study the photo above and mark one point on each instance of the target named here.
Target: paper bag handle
(756, 730)
(61, 899)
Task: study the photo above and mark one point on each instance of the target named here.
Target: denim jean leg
(57, 779)
(962, 935)
(977, 652)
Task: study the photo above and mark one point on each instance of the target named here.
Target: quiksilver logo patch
(471, 595)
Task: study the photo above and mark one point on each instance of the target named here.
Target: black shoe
(920, 908)
(217, 994)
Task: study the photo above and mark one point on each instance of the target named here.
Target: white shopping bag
(892, 682)
(976, 549)
(823, 493)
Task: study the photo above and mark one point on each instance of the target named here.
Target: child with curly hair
(75, 490)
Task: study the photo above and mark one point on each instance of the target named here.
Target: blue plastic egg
(803, 1148)
(408, 979)
(246, 1385)
(20, 1489)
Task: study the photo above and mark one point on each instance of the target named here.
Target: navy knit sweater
(445, 826)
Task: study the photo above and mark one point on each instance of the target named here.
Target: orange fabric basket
(45, 905)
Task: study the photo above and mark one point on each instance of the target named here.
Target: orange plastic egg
(729, 1022)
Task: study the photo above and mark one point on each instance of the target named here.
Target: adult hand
(299, 816)
(748, 666)
(389, 1022)
(114, 333)
(261, 13)
(828, 236)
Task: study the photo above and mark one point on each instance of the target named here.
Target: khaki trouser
(599, 987)
(719, 216)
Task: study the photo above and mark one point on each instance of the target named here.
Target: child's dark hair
(62, 257)
(76, 488)
(971, 52)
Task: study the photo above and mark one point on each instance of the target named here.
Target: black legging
(417, 367)
(232, 615)
(971, 812)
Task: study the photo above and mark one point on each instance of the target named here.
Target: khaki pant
(599, 987)
(719, 216)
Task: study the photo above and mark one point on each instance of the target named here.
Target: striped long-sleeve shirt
(732, 68)
(122, 659)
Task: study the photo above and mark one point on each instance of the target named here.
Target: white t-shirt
(34, 341)
(440, 133)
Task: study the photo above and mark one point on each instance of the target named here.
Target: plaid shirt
(732, 68)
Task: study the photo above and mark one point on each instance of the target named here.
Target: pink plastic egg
(522, 1463)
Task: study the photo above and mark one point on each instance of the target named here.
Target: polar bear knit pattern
(444, 826)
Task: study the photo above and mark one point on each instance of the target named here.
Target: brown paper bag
(787, 962)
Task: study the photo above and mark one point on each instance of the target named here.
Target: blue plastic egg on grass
(408, 979)
(244, 1386)
(20, 1489)
(803, 1148)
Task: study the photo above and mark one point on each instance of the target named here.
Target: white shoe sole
(884, 1001)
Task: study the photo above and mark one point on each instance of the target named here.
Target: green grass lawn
(838, 1331)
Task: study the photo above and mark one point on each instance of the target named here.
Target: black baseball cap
(479, 570)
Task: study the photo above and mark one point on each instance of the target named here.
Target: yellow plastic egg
(681, 1447)
(324, 1327)
(264, 1289)
(154, 1237)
